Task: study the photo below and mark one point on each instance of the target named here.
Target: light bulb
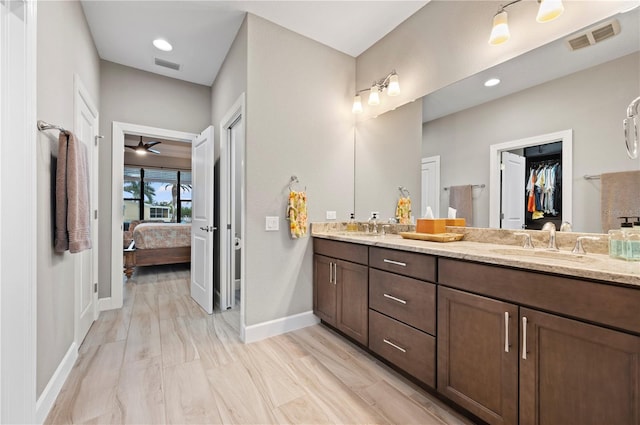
(141, 151)
(394, 85)
(500, 31)
(549, 10)
(374, 96)
(357, 104)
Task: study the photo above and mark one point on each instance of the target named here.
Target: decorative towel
(461, 198)
(297, 213)
(620, 197)
(403, 210)
(73, 222)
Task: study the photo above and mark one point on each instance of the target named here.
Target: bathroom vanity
(510, 335)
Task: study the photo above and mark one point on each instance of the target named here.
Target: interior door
(512, 193)
(430, 178)
(202, 220)
(86, 262)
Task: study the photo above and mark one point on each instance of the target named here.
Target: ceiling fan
(143, 148)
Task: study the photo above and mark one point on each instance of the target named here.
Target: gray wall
(229, 84)
(592, 102)
(62, 51)
(387, 156)
(446, 41)
(299, 122)
(139, 97)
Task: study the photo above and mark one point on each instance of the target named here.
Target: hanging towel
(73, 223)
(620, 197)
(461, 198)
(403, 210)
(297, 213)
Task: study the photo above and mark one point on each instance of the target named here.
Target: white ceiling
(202, 31)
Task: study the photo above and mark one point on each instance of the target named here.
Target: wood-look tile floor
(161, 359)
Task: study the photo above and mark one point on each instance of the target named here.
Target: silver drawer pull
(506, 331)
(524, 338)
(397, 263)
(397, 347)
(391, 297)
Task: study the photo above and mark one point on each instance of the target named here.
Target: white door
(202, 220)
(86, 294)
(513, 196)
(430, 178)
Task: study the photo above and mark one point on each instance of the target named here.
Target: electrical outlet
(331, 215)
(272, 224)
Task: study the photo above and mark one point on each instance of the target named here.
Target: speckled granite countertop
(502, 249)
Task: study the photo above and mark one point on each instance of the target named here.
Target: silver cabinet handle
(330, 272)
(391, 297)
(524, 337)
(397, 263)
(506, 331)
(335, 273)
(397, 347)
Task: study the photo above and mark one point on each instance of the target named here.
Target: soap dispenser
(633, 241)
(373, 223)
(352, 226)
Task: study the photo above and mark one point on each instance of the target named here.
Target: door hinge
(502, 216)
(95, 214)
(95, 287)
(502, 166)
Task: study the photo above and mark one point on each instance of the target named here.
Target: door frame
(564, 136)
(117, 181)
(81, 94)
(236, 111)
(18, 259)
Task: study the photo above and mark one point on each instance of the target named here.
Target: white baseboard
(275, 327)
(106, 304)
(48, 397)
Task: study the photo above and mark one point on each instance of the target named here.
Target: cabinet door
(353, 300)
(478, 355)
(324, 289)
(575, 373)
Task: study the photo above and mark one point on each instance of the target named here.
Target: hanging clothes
(543, 189)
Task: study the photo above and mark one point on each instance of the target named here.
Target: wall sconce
(548, 11)
(390, 83)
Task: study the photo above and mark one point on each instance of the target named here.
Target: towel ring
(404, 191)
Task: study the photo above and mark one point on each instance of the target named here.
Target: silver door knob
(208, 228)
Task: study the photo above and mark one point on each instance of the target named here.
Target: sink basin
(540, 254)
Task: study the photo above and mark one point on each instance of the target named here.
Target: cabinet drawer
(420, 266)
(342, 250)
(406, 347)
(408, 300)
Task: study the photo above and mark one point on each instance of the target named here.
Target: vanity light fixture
(548, 11)
(492, 82)
(389, 83)
(162, 44)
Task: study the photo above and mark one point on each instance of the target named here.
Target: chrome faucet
(551, 228)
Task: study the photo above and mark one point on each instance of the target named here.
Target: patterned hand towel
(297, 214)
(403, 210)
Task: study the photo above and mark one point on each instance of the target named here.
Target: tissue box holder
(432, 225)
(456, 222)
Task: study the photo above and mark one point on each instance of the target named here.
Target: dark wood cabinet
(341, 288)
(478, 354)
(577, 373)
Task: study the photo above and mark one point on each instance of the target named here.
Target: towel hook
(404, 191)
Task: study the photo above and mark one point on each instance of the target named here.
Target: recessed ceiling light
(492, 82)
(163, 45)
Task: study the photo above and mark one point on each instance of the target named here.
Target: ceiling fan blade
(154, 151)
(131, 147)
(149, 144)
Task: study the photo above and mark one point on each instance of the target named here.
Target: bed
(155, 243)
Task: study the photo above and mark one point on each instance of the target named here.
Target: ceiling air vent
(594, 35)
(167, 64)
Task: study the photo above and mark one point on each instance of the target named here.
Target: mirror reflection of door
(512, 202)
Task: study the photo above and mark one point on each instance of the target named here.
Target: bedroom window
(156, 194)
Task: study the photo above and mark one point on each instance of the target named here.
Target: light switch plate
(331, 215)
(272, 224)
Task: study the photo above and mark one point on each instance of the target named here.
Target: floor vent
(167, 64)
(594, 35)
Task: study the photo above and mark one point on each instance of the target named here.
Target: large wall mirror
(544, 91)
